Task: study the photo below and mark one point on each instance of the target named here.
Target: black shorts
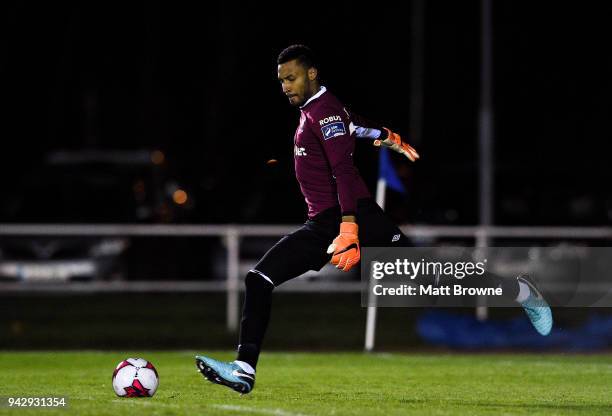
(306, 248)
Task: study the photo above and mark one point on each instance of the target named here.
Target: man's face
(296, 81)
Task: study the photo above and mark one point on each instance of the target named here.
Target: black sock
(255, 317)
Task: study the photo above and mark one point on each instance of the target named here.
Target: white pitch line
(274, 412)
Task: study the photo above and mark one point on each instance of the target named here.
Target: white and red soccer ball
(135, 377)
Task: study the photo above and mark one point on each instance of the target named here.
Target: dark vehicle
(91, 186)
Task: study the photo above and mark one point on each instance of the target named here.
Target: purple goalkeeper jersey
(323, 148)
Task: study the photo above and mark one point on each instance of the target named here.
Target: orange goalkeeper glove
(394, 141)
(345, 247)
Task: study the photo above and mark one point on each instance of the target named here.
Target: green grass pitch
(293, 384)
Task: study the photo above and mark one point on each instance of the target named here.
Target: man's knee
(256, 280)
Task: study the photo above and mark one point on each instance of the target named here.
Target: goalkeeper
(341, 213)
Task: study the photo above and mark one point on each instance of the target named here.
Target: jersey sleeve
(367, 129)
(333, 128)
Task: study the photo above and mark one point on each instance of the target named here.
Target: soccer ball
(135, 377)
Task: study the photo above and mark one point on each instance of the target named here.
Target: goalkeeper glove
(394, 141)
(345, 247)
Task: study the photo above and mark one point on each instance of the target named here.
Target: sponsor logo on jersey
(332, 130)
(299, 151)
(329, 119)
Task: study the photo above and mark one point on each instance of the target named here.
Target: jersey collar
(314, 97)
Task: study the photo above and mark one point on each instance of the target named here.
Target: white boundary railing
(232, 235)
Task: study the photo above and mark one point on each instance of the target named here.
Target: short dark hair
(302, 53)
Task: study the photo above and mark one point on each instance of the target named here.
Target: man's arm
(381, 136)
(365, 128)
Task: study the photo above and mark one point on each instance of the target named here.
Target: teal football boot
(227, 374)
(536, 307)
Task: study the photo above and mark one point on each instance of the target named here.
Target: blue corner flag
(387, 172)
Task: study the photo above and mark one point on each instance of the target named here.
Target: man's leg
(377, 230)
(292, 256)
(255, 316)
